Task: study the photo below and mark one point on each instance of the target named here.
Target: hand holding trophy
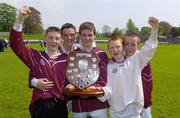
(82, 72)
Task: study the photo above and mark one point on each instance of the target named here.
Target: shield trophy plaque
(82, 72)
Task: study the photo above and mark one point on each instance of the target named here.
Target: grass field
(15, 95)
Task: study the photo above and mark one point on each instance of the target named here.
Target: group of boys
(48, 70)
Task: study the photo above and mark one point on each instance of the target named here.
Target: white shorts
(131, 111)
(146, 113)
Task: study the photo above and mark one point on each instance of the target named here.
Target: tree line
(34, 25)
(165, 29)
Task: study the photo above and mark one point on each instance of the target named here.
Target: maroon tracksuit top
(42, 66)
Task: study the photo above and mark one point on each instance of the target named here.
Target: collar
(65, 51)
(118, 62)
(93, 46)
(54, 55)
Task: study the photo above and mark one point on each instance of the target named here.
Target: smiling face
(131, 45)
(87, 38)
(115, 47)
(53, 41)
(87, 33)
(69, 37)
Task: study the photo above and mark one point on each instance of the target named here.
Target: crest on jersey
(42, 62)
(114, 70)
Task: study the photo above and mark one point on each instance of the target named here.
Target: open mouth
(116, 54)
(53, 45)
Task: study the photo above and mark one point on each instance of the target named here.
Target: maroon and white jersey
(91, 104)
(42, 66)
(147, 85)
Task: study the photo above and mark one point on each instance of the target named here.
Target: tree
(7, 17)
(131, 28)
(145, 31)
(33, 24)
(160, 30)
(106, 31)
(175, 32)
(165, 28)
(117, 32)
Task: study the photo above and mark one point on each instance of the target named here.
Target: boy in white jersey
(124, 76)
(131, 44)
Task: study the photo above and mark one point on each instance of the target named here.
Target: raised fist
(23, 13)
(153, 21)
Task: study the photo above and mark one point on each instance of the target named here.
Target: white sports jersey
(125, 79)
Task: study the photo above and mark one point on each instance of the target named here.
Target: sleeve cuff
(107, 94)
(34, 82)
(18, 27)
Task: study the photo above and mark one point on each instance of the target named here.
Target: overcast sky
(114, 13)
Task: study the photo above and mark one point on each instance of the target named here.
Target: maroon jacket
(147, 85)
(91, 104)
(32, 75)
(42, 66)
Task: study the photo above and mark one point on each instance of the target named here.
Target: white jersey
(125, 79)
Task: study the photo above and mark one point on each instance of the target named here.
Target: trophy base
(83, 93)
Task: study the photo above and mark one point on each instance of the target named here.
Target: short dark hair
(87, 25)
(67, 25)
(53, 29)
(131, 34)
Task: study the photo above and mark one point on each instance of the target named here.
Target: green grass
(40, 36)
(101, 38)
(166, 75)
(15, 95)
(34, 36)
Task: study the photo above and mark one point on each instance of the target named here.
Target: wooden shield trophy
(82, 72)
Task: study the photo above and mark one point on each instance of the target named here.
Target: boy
(91, 107)
(124, 76)
(49, 64)
(68, 33)
(131, 45)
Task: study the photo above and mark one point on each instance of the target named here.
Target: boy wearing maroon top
(131, 46)
(91, 107)
(68, 33)
(48, 64)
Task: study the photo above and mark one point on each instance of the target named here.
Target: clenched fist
(153, 21)
(23, 13)
(154, 27)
